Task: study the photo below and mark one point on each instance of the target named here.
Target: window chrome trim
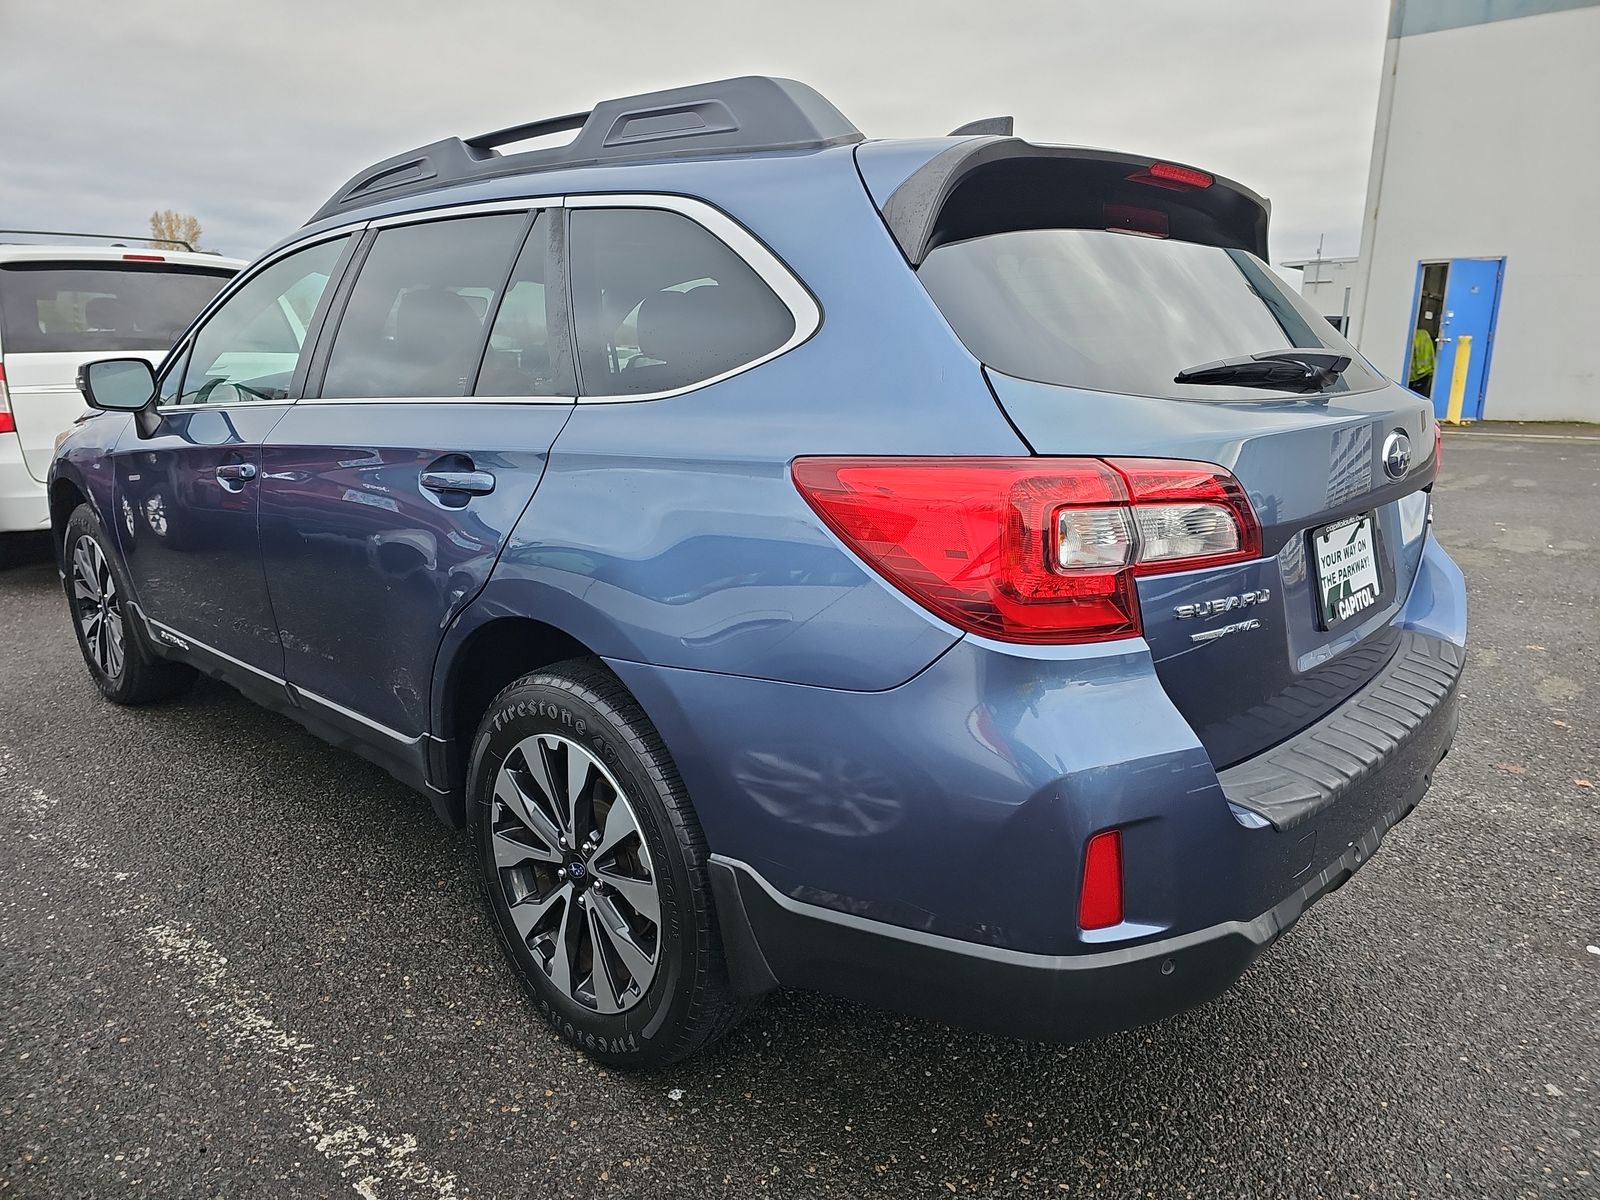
(422, 216)
(785, 284)
(220, 407)
(453, 401)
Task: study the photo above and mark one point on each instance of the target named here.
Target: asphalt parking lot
(236, 962)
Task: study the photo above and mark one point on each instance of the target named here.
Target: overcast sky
(248, 113)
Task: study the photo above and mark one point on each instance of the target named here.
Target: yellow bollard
(1458, 379)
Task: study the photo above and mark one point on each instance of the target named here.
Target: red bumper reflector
(1100, 901)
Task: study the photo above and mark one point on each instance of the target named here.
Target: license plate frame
(1358, 584)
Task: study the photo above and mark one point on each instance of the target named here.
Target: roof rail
(729, 116)
(117, 238)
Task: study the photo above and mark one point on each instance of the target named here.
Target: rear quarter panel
(668, 531)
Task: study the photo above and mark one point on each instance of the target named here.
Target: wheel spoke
(90, 622)
(83, 568)
(102, 655)
(639, 894)
(560, 965)
(640, 963)
(620, 822)
(607, 995)
(579, 767)
(114, 644)
(511, 852)
(539, 771)
(526, 809)
(528, 912)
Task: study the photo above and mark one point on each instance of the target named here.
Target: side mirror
(117, 384)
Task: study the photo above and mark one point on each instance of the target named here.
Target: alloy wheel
(577, 877)
(97, 606)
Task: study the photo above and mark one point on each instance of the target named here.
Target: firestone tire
(585, 833)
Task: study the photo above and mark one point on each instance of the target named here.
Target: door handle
(473, 483)
(236, 472)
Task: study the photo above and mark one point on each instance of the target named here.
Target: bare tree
(168, 226)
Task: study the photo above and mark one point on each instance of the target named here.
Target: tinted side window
(250, 347)
(414, 323)
(518, 360)
(659, 303)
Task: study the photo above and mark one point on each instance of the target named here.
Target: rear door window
(660, 303)
(414, 325)
(55, 307)
(1116, 312)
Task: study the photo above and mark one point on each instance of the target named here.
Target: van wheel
(122, 667)
(594, 867)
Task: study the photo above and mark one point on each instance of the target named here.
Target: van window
(659, 303)
(414, 326)
(1114, 312)
(55, 307)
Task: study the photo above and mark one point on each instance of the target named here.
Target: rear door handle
(236, 472)
(473, 483)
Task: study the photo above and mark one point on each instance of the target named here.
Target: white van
(61, 306)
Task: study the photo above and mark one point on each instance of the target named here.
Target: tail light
(1100, 898)
(8, 423)
(1037, 550)
(1174, 176)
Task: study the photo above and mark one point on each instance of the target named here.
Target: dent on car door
(388, 493)
(187, 494)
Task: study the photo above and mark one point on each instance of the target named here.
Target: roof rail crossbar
(730, 116)
(104, 237)
(522, 133)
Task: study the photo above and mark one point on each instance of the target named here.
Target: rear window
(1116, 312)
(101, 306)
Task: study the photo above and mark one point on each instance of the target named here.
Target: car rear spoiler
(997, 184)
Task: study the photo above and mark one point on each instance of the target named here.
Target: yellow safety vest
(1421, 355)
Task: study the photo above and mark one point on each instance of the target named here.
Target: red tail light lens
(1035, 550)
(1100, 900)
(8, 423)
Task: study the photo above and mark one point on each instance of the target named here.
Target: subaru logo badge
(575, 870)
(1396, 455)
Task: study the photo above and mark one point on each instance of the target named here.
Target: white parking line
(335, 1117)
(330, 1111)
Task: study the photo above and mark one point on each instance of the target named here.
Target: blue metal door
(1466, 331)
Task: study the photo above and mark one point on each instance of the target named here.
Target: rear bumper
(920, 848)
(774, 941)
(23, 506)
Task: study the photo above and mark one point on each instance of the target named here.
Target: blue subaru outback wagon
(954, 574)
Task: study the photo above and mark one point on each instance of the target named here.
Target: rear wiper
(1282, 370)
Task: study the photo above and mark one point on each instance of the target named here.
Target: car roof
(37, 253)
